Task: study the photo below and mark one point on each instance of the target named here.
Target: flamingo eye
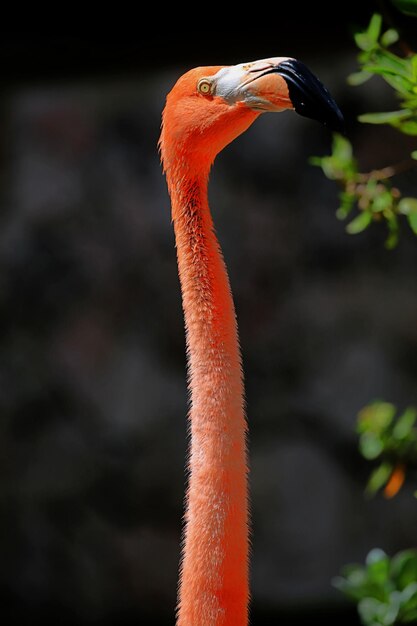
(204, 86)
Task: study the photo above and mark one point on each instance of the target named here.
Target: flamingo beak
(308, 95)
(283, 83)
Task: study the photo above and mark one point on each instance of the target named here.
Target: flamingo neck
(213, 587)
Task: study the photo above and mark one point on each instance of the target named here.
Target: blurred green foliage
(372, 192)
(399, 72)
(388, 437)
(385, 589)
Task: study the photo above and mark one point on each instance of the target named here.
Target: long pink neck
(214, 572)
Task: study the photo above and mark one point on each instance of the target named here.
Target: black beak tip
(309, 96)
(336, 122)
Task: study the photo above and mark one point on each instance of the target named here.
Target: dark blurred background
(92, 366)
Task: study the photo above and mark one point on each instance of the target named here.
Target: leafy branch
(385, 589)
(392, 440)
(372, 193)
(399, 72)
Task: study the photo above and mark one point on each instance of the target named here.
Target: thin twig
(386, 172)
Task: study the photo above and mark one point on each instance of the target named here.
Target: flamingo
(206, 109)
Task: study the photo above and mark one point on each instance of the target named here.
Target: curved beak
(277, 84)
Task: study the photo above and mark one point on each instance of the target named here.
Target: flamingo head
(208, 107)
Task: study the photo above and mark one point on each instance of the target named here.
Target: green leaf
(385, 62)
(413, 60)
(342, 150)
(392, 239)
(390, 614)
(387, 70)
(382, 202)
(408, 127)
(378, 569)
(404, 426)
(385, 118)
(409, 596)
(347, 202)
(404, 568)
(412, 220)
(407, 206)
(374, 28)
(315, 160)
(357, 577)
(352, 570)
(414, 154)
(378, 478)
(358, 78)
(389, 37)
(370, 611)
(353, 589)
(340, 165)
(376, 417)
(331, 168)
(360, 223)
(411, 102)
(370, 445)
(340, 583)
(354, 583)
(393, 608)
(409, 7)
(364, 41)
(403, 85)
(392, 222)
(376, 555)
